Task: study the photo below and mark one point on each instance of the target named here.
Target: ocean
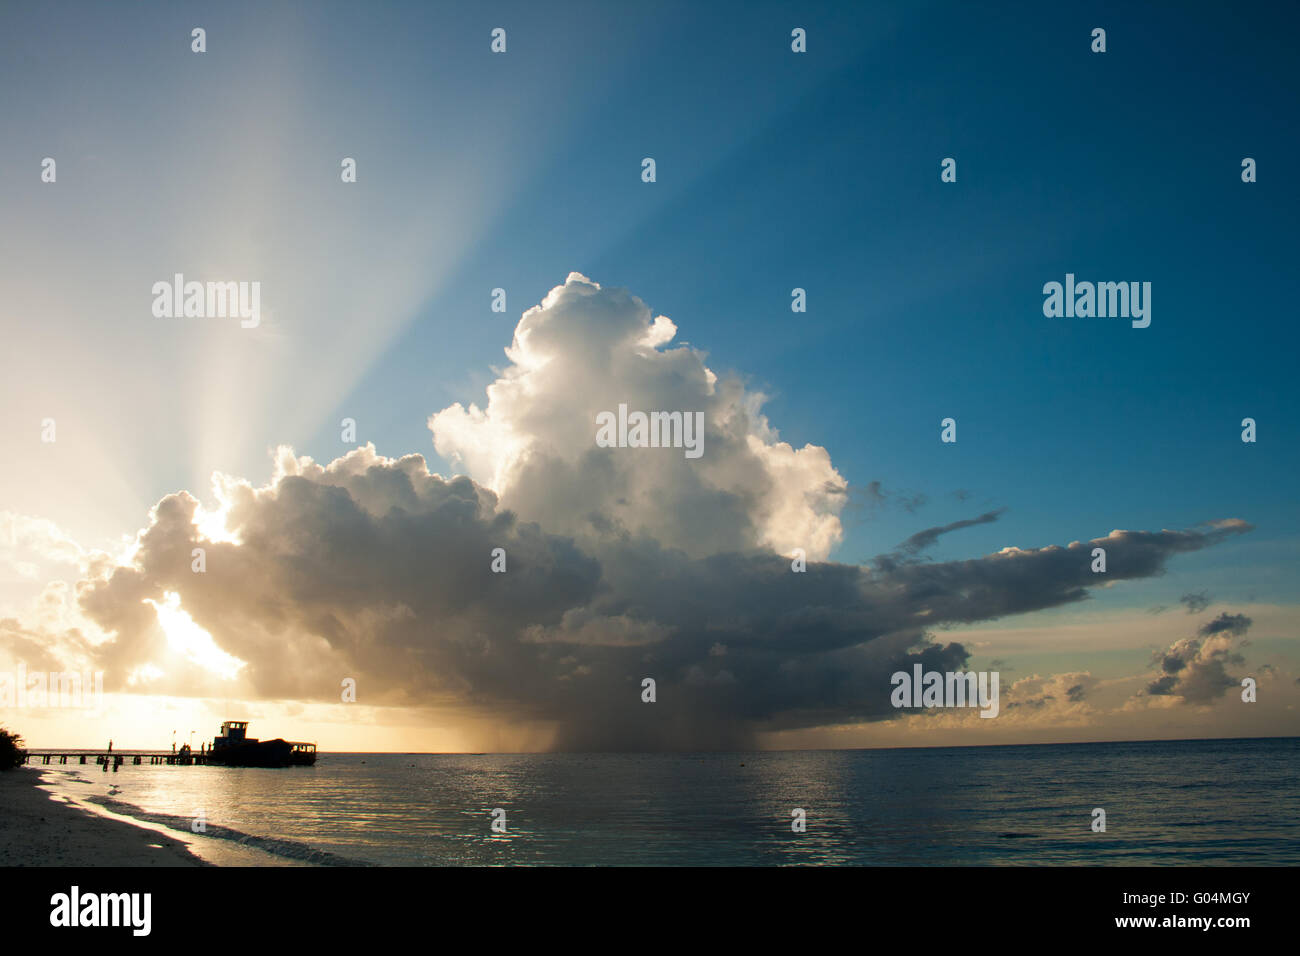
(1217, 802)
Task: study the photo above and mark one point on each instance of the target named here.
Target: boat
(234, 748)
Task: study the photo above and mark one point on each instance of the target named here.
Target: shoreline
(39, 829)
(39, 826)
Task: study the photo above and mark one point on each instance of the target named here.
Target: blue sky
(775, 170)
(925, 297)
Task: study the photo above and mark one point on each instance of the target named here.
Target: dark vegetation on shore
(11, 750)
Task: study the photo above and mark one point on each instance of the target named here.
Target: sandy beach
(43, 828)
(36, 829)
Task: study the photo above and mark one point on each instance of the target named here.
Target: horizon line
(787, 750)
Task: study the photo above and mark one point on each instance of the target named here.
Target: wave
(286, 849)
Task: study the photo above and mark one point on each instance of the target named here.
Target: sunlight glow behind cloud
(187, 638)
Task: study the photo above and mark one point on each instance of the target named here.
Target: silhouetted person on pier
(110, 745)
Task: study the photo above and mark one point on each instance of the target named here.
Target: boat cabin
(233, 733)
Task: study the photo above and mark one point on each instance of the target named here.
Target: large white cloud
(587, 349)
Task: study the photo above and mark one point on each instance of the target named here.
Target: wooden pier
(234, 748)
(117, 758)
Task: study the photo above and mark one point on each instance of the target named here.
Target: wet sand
(39, 827)
(36, 829)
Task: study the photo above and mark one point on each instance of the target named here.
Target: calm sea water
(1186, 802)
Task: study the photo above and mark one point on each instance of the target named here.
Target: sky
(522, 171)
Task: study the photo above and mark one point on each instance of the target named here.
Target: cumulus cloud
(622, 563)
(43, 538)
(1195, 668)
(30, 547)
(1062, 696)
(586, 350)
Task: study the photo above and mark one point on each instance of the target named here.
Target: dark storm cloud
(376, 569)
(621, 563)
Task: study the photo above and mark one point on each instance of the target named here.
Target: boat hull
(261, 753)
